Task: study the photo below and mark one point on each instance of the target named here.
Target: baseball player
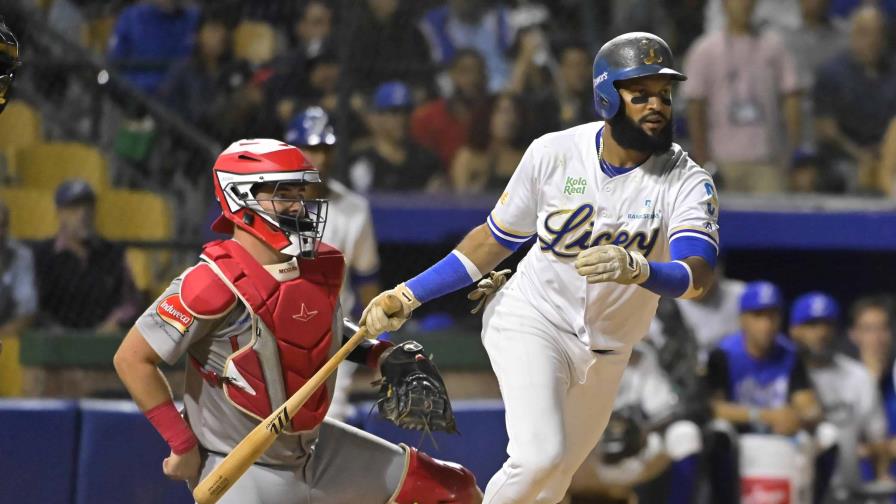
(255, 319)
(349, 229)
(622, 216)
(847, 392)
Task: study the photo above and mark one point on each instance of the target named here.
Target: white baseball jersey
(645, 385)
(715, 316)
(350, 229)
(560, 193)
(850, 398)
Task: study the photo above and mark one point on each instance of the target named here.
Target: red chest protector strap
(298, 313)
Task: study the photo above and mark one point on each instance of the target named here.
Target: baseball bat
(259, 439)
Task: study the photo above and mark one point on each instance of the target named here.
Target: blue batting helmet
(628, 56)
(311, 128)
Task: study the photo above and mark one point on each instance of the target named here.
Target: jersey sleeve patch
(204, 295)
(172, 311)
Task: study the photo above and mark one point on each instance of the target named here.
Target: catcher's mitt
(623, 437)
(412, 394)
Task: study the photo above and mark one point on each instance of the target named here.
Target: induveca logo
(172, 311)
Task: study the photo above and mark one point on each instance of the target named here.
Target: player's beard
(629, 135)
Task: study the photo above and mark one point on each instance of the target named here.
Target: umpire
(9, 61)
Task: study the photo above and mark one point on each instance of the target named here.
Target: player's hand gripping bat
(210, 489)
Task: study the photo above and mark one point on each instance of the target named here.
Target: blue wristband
(443, 277)
(670, 279)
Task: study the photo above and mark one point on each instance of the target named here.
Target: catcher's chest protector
(292, 330)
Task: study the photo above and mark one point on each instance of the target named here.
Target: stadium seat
(481, 446)
(46, 165)
(38, 450)
(124, 214)
(120, 458)
(137, 216)
(20, 126)
(255, 42)
(32, 212)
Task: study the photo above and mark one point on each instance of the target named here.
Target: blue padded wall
(120, 458)
(38, 442)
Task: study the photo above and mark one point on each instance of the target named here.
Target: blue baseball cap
(392, 95)
(814, 306)
(760, 295)
(311, 128)
(72, 192)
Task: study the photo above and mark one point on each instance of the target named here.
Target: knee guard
(432, 481)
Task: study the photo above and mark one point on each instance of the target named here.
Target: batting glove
(611, 263)
(486, 288)
(378, 319)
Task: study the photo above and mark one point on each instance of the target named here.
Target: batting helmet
(9, 61)
(237, 174)
(311, 128)
(628, 56)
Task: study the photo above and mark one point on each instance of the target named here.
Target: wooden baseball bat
(244, 454)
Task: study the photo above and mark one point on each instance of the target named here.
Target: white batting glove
(611, 263)
(378, 318)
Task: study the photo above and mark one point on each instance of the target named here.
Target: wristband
(670, 279)
(173, 428)
(454, 272)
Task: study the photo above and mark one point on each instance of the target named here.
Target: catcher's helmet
(311, 128)
(236, 176)
(9, 61)
(628, 56)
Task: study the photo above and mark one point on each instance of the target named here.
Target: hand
(383, 315)
(184, 466)
(487, 287)
(783, 421)
(611, 263)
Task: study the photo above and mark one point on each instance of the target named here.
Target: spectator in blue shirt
(757, 383)
(471, 24)
(149, 37)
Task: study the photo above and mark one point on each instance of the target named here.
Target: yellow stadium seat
(20, 126)
(124, 214)
(32, 212)
(46, 165)
(129, 215)
(255, 42)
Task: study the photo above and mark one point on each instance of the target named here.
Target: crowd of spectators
(793, 95)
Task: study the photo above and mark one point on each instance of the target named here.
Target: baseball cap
(760, 295)
(392, 95)
(74, 191)
(814, 306)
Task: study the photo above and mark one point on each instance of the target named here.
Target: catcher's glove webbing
(412, 394)
(623, 437)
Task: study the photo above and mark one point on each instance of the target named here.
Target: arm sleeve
(799, 378)
(365, 257)
(169, 328)
(696, 210)
(717, 373)
(24, 288)
(513, 220)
